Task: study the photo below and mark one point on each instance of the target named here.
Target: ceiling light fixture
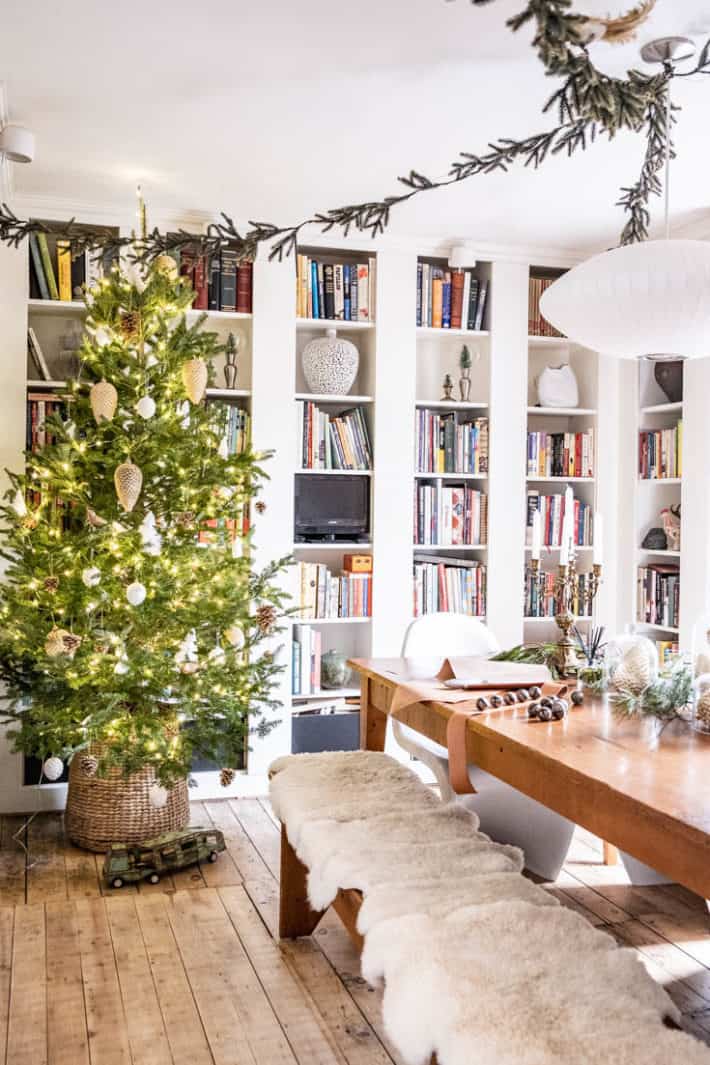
(17, 143)
(644, 299)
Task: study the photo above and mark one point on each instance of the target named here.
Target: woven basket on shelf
(117, 809)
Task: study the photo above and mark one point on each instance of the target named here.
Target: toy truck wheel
(117, 882)
(153, 878)
(213, 856)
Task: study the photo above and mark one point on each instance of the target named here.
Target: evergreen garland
(588, 103)
(665, 699)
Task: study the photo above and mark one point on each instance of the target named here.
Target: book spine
(244, 288)
(481, 308)
(457, 292)
(38, 268)
(338, 295)
(371, 288)
(446, 301)
(64, 270)
(437, 296)
(329, 290)
(419, 293)
(47, 266)
(472, 303)
(346, 292)
(213, 284)
(200, 282)
(363, 306)
(315, 295)
(228, 284)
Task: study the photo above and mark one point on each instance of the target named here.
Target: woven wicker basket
(117, 809)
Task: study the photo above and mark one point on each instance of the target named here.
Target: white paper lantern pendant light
(644, 299)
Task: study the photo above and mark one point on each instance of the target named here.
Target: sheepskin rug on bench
(480, 966)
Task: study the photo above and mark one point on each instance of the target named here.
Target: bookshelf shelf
(327, 693)
(542, 341)
(224, 316)
(451, 476)
(228, 393)
(352, 546)
(664, 552)
(560, 480)
(431, 331)
(663, 408)
(648, 626)
(563, 412)
(660, 480)
(533, 618)
(546, 549)
(452, 405)
(330, 397)
(331, 621)
(333, 323)
(450, 547)
(338, 473)
(63, 307)
(38, 385)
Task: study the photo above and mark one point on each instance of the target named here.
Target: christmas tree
(119, 631)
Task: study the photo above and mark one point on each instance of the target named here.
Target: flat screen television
(332, 507)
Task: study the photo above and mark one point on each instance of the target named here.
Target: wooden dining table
(646, 792)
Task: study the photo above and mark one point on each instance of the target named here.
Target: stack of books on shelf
(537, 325)
(450, 515)
(323, 594)
(222, 283)
(336, 291)
(55, 274)
(457, 586)
(658, 599)
(237, 429)
(446, 445)
(333, 441)
(449, 299)
(661, 453)
(552, 511)
(561, 454)
(40, 406)
(306, 651)
(540, 596)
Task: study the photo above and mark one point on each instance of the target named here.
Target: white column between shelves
(273, 429)
(607, 470)
(695, 501)
(393, 491)
(508, 443)
(625, 536)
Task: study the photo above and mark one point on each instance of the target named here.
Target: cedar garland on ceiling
(587, 104)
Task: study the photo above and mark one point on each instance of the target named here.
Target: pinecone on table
(265, 618)
(226, 776)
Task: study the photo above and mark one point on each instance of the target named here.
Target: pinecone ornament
(130, 325)
(51, 584)
(128, 480)
(260, 506)
(71, 643)
(185, 518)
(103, 398)
(266, 618)
(226, 776)
(194, 378)
(166, 265)
(29, 521)
(88, 765)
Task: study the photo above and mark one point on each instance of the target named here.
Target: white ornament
(194, 378)
(235, 636)
(146, 407)
(136, 276)
(330, 363)
(91, 576)
(217, 655)
(102, 336)
(18, 504)
(136, 593)
(121, 667)
(184, 412)
(157, 796)
(151, 361)
(151, 538)
(103, 399)
(223, 449)
(128, 480)
(52, 768)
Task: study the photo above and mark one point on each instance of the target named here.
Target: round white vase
(330, 364)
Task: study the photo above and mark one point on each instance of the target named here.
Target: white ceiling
(276, 109)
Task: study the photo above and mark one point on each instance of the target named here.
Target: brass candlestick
(566, 591)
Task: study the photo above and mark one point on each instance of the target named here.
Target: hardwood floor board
(7, 922)
(223, 872)
(240, 1024)
(81, 872)
(147, 1037)
(12, 862)
(186, 1035)
(573, 904)
(265, 802)
(46, 869)
(106, 1022)
(689, 979)
(261, 830)
(27, 1023)
(306, 1031)
(67, 1036)
(592, 900)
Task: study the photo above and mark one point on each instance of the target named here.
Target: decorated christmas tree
(126, 643)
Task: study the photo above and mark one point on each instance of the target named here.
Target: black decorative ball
(496, 700)
(546, 701)
(545, 713)
(535, 692)
(510, 698)
(533, 710)
(559, 709)
(523, 695)
(482, 703)
(577, 698)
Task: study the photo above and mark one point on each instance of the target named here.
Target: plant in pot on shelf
(465, 363)
(124, 649)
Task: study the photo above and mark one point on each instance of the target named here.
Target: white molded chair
(506, 814)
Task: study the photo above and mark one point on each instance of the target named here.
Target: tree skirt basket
(117, 809)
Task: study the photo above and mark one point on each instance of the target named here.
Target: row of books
(552, 510)
(450, 299)
(333, 441)
(661, 453)
(540, 595)
(222, 532)
(323, 594)
(337, 291)
(658, 594)
(444, 444)
(450, 515)
(537, 325)
(40, 406)
(456, 586)
(55, 274)
(561, 454)
(306, 651)
(222, 283)
(237, 429)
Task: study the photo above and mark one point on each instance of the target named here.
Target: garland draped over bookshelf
(588, 103)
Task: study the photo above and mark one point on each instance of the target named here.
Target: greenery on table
(667, 699)
(541, 654)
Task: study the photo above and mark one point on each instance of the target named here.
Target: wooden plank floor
(188, 972)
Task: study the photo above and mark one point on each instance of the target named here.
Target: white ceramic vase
(330, 364)
(557, 387)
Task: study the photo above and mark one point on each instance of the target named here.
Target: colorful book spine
(36, 257)
(228, 283)
(47, 266)
(64, 270)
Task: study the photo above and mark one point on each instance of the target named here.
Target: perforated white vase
(330, 364)
(557, 387)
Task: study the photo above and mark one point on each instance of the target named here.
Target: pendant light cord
(667, 181)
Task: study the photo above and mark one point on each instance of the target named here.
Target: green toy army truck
(125, 863)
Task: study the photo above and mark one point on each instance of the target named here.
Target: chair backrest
(448, 634)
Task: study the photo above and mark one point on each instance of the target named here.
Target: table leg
(373, 723)
(611, 854)
(296, 918)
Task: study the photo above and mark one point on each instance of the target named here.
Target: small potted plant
(465, 363)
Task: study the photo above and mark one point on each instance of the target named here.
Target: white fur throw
(516, 984)
(480, 966)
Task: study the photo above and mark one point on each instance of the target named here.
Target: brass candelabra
(566, 592)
